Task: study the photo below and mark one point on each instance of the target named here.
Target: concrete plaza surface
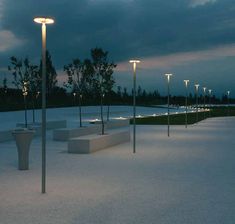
(186, 178)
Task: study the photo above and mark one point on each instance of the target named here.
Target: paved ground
(186, 178)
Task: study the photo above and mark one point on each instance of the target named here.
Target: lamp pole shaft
(168, 109)
(197, 105)
(43, 108)
(204, 105)
(186, 108)
(134, 107)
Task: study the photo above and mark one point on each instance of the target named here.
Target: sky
(193, 39)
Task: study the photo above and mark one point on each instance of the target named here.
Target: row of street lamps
(44, 21)
(168, 76)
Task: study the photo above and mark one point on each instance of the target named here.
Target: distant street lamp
(186, 102)
(80, 109)
(228, 94)
(196, 92)
(210, 91)
(74, 98)
(134, 62)
(168, 103)
(204, 99)
(43, 21)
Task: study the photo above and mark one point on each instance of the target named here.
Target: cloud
(195, 3)
(8, 40)
(180, 59)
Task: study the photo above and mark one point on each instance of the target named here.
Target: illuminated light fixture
(134, 62)
(186, 102)
(168, 103)
(43, 21)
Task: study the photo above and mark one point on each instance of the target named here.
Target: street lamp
(186, 102)
(210, 91)
(43, 21)
(168, 102)
(204, 99)
(134, 62)
(196, 92)
(228, 93)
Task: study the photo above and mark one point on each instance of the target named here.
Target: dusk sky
(193, 39)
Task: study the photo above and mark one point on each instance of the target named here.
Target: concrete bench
(66, 133)
(92, 143)
(114, 123)
(49, 124)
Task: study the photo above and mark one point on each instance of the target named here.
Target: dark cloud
(126, 28)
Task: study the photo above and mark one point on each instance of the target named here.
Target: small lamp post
(196, 92)
(204, 99)
(186, 102)
(43, 21)
(168, 103)
(80, 109)
(134, 62)
(210, 93)
(228, 95)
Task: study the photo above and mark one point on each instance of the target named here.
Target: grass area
(179, 119)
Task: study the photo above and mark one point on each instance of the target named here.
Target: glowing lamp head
(134, 61)
(228, 92)
(168, 76)
(43, 20)
(186, 82)
(204, 89)
(210, 91)
(197, 86)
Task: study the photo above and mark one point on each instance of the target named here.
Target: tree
(25, 77)
(79, 78)
(102, 69)
(51, 75)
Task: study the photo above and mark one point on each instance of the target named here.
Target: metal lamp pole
(134, 62)
(196, 91)
(228, 93)
(43, 21)
(210, 91)
(204, 99)
(186, 102)
(168, 103)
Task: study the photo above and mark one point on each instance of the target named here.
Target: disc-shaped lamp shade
(197, 86)
(186, 82)
(43, 20)
(134, 61)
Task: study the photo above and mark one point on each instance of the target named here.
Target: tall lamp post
(134, 62)
(168, 103)
(204, 103)
(210, 92)
(196, 92)
(186, 102)
(228, 94)
(43, 21)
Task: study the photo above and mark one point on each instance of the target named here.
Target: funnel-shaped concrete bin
(23, 139)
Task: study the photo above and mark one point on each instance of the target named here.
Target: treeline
(89, 82)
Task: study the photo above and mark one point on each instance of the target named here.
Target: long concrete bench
(49, 124)
(65, 134)
(92, 143)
